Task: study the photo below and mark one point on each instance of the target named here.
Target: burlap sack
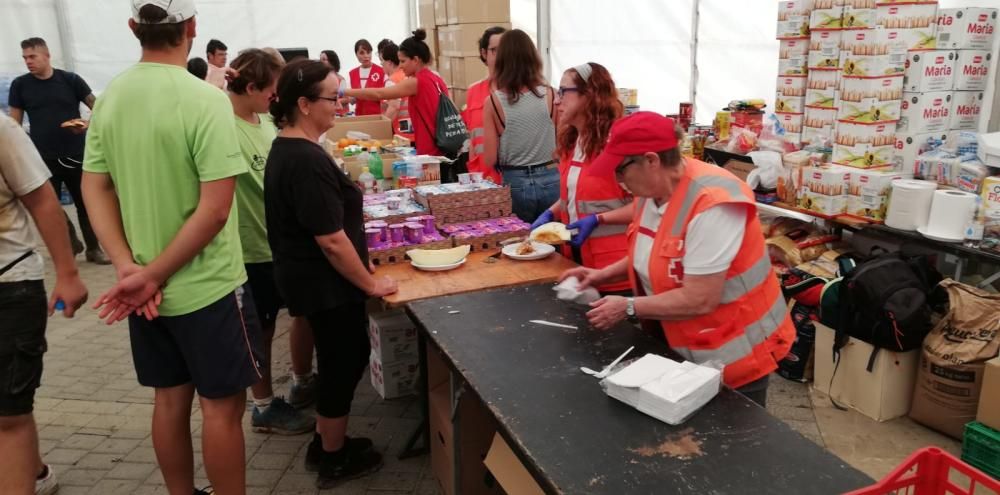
(953, 357)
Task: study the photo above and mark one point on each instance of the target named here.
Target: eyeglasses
(628, 161)
(563, 90)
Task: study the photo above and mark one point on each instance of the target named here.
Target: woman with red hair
(595, 205)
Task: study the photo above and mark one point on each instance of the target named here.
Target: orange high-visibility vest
(473, 117)
(404, 108)
(593, 194)
(750, 330)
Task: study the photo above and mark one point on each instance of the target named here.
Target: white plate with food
(528, 250)
(438, 268)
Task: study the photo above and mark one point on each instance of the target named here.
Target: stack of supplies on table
(664, 389)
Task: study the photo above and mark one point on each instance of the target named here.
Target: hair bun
(420, 34)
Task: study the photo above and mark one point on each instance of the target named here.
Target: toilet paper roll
(950, 213)
(910, 204)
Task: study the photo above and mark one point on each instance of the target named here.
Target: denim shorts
(23, 316)
(532, 192)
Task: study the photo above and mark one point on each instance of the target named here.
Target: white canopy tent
(706, 51)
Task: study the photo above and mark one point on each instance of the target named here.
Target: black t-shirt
(49, 103)
(307, 195)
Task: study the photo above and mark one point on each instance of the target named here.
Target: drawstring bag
(451, 136)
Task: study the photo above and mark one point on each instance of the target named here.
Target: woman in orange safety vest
(696, 260)
(475, 98)
(596, 206)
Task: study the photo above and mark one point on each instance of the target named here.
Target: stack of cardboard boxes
(394, 361)
(793, 61)
(943, 87)
(456, 26)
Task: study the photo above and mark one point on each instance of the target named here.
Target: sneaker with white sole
(281, 418)
(47, 485)
(303, 395)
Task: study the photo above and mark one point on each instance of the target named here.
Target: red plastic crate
(931, 471)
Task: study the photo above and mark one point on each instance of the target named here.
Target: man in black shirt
(51, 98)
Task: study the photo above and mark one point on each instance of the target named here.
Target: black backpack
(887, 301)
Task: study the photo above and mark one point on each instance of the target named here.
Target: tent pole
(544, 30)
(693, 95)
(65, 33)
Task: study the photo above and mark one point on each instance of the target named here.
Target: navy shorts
(216, 348)
(23, 315)
(266, 299)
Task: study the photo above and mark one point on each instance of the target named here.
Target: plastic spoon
(607, 369)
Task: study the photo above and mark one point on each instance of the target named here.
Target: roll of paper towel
(950, 213)
(910, 204)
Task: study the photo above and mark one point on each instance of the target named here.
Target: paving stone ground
(94, 421)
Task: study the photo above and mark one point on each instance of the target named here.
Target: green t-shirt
(160, 132)
(255, 144)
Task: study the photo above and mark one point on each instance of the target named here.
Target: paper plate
(541, 250)
(930, 235)
(439, 268)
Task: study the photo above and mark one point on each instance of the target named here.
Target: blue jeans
(532, 191)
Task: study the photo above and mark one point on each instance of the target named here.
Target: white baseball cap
(177, 10)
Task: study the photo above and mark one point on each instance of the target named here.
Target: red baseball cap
(639, 133)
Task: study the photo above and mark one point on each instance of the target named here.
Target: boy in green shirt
(253, 77)
(160, 170)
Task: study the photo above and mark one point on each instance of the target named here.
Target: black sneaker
(345, 465)
(314, 454)
(204, 491)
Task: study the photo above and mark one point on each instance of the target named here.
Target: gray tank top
(529, 137)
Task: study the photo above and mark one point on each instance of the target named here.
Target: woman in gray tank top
(520, 127)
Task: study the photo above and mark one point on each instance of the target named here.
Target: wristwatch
(630, 310)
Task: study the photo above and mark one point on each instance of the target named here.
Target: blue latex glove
(543, 219)
(585, 226)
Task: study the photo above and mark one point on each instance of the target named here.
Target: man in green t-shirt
(160, 171)
(253, 77)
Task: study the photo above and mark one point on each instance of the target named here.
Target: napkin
(569, 290)
(664, 389)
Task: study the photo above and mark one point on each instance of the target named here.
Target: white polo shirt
(572, 179)
(713, 239)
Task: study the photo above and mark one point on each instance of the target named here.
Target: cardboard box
(863, 145)
(792, 122)
(828, 181)
(925, 112)
(858, 18)
(863, 156)
(394, 379)
(819, 118)
(794, 8)
(463, 40)
(822, 98)
(868, 111)
(793, 66)
(824, 49)
(438, 371)
(393, 336)
(458, 97)
(445, 69)
(831, 18)
(972, 70)
(432, 42)
(989, 404)
(739, 168)
(817, 135)
(970, 28)
(353, 165)
(967, 106)
(376, 126)
(425, 13)
(871, 65)
(508, 469)
(466, 71)
(470, 11)
(907, 16)
(441, 12)
(792, 27)
(476, 428)
(872, 208)
(791, 86)
(874, 182)
(930, 71)
(946, 398)
(823, 204)
(882, 88)
(991, 193)
(910, 144)
(882, 394)
(850, 134)
(788, 48)
(789, 104)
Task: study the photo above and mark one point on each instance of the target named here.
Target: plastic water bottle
(375, 165)
(367, 181)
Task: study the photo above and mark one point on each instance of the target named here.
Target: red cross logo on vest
(676, 271)
(374, 77)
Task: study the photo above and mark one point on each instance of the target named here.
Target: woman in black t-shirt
(315, 227)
